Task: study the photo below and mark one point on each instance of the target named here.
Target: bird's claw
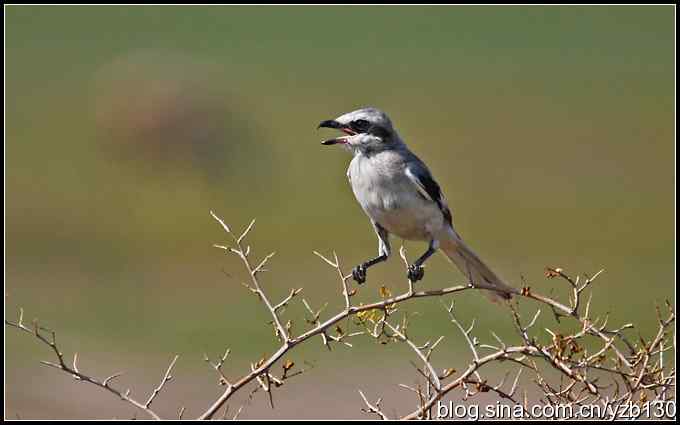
(415, 273)
(359, 274)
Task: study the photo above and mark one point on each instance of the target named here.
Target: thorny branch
(617, 370)
(39, 332)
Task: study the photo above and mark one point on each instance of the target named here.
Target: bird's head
(366, 130)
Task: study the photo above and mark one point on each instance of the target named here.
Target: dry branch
(617, 371)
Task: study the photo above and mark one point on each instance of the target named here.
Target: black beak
(329, 124)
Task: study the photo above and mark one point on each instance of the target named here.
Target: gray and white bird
(400, 196)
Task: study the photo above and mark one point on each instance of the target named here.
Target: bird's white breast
(390, 198)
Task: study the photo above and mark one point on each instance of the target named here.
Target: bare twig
(373, 407)
(78, 375)
(167, 377)
(611, 370)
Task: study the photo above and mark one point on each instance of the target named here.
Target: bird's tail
(477, 273)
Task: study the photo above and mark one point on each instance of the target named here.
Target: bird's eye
(360, 125)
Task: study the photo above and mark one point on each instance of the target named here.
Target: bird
(400, 196)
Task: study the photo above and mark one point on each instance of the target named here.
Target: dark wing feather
(428, 188)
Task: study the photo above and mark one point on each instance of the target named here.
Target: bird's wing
(427, 187)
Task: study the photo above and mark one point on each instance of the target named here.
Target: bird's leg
(359, 272)
(415, 270)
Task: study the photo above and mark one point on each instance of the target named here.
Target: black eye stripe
(360, 125)
(379, 131)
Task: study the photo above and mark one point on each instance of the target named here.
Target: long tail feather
(478, 273)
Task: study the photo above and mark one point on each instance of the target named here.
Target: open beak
(334, 124)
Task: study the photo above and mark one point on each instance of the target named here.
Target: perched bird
(400, 196)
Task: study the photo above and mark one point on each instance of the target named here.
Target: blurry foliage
(164, 109)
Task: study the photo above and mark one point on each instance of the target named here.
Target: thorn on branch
(373, 408)
(167, 377)
(219, 220)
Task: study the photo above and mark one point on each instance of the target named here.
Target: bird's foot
(415, 273)
(359, 274)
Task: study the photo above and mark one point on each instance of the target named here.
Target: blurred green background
(550, 129)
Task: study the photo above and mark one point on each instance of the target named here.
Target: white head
(366, 130)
